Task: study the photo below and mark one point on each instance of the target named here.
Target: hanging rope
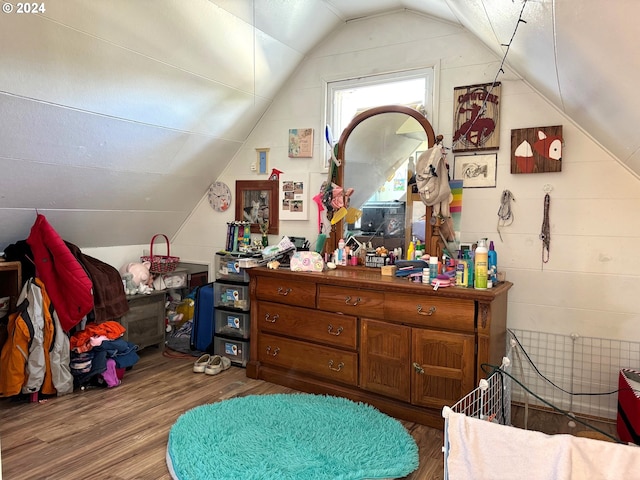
(505, 215)
(545, 234)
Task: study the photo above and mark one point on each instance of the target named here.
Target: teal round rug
(287, 437)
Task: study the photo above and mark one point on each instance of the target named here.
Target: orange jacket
(25, 363)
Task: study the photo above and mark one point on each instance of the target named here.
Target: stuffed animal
(130, 288)
(141, 278)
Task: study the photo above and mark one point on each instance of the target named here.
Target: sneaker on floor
(201, 363)
(214, 366)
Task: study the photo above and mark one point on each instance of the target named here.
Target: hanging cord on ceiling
(545, 233)
(483, 108)
(505, 214)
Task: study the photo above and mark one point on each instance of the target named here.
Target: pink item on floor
(110, 375)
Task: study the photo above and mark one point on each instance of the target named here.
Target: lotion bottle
(481, 259)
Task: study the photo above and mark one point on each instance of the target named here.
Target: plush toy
(141, 278)
(130, 288)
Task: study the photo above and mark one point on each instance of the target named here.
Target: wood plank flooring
(121, 433)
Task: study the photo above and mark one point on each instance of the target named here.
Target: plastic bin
(232, 324)
(229, 295)
(228, 268)
(236, 350)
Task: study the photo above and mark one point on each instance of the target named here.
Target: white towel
(482, 450)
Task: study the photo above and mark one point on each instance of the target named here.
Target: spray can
(481, 260)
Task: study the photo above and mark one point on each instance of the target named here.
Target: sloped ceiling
(116, 116)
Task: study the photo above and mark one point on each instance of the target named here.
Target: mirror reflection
(378, 151)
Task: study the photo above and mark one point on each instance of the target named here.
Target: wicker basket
(161, 263)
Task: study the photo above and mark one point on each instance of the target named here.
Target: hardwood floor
(121, 433)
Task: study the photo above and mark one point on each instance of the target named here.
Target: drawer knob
(275, 351)
(428, 313)
(418, 368)
(348, 301)
(284, 291)
(270, 319)
(336, 369)
(337, 332)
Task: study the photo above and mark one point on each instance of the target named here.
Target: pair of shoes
(217, 364)
(202, 362)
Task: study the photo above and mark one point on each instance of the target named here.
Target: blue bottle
(493, 263)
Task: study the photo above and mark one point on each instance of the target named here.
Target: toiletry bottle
(493, 263)
(481, 265)
(410, 251)
(468, 256)
(462, 272)
(433, 268)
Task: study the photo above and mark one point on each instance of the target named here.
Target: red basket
(161, 263)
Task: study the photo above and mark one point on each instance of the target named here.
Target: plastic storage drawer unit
(236, 350)
(232, 324)
(228, 295)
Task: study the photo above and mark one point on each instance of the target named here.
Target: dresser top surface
(363, 277)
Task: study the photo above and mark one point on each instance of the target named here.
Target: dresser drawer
(358, 302)
(286, 290)
(431, 311)
(307, 324)
(335, 365)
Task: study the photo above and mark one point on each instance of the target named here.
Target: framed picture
(536, 150)
(257, 202)
(262, 160)
(294, 196)
(475, 171)
(476, 119)
(301, 143)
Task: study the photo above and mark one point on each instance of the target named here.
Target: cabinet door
(384, 359)
(442, 367)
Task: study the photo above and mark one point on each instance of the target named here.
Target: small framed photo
(476, 171)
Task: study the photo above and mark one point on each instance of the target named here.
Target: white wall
(589, 284)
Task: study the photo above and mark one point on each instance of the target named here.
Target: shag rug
(289, 436)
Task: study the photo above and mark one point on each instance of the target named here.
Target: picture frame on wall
(476, 117)
(257, 202)
(301, 143)
(477, 170)
(294, 196)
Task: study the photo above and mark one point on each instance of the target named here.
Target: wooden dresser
(400, 346)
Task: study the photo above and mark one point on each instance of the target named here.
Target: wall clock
(219, 196)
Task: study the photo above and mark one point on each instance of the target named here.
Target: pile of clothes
(100, 356)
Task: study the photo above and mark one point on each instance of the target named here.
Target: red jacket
(66, 281)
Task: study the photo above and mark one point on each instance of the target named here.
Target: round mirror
(374, 147)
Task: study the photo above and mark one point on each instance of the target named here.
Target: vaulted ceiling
(113, 125)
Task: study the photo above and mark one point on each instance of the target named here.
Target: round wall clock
(219, 196)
